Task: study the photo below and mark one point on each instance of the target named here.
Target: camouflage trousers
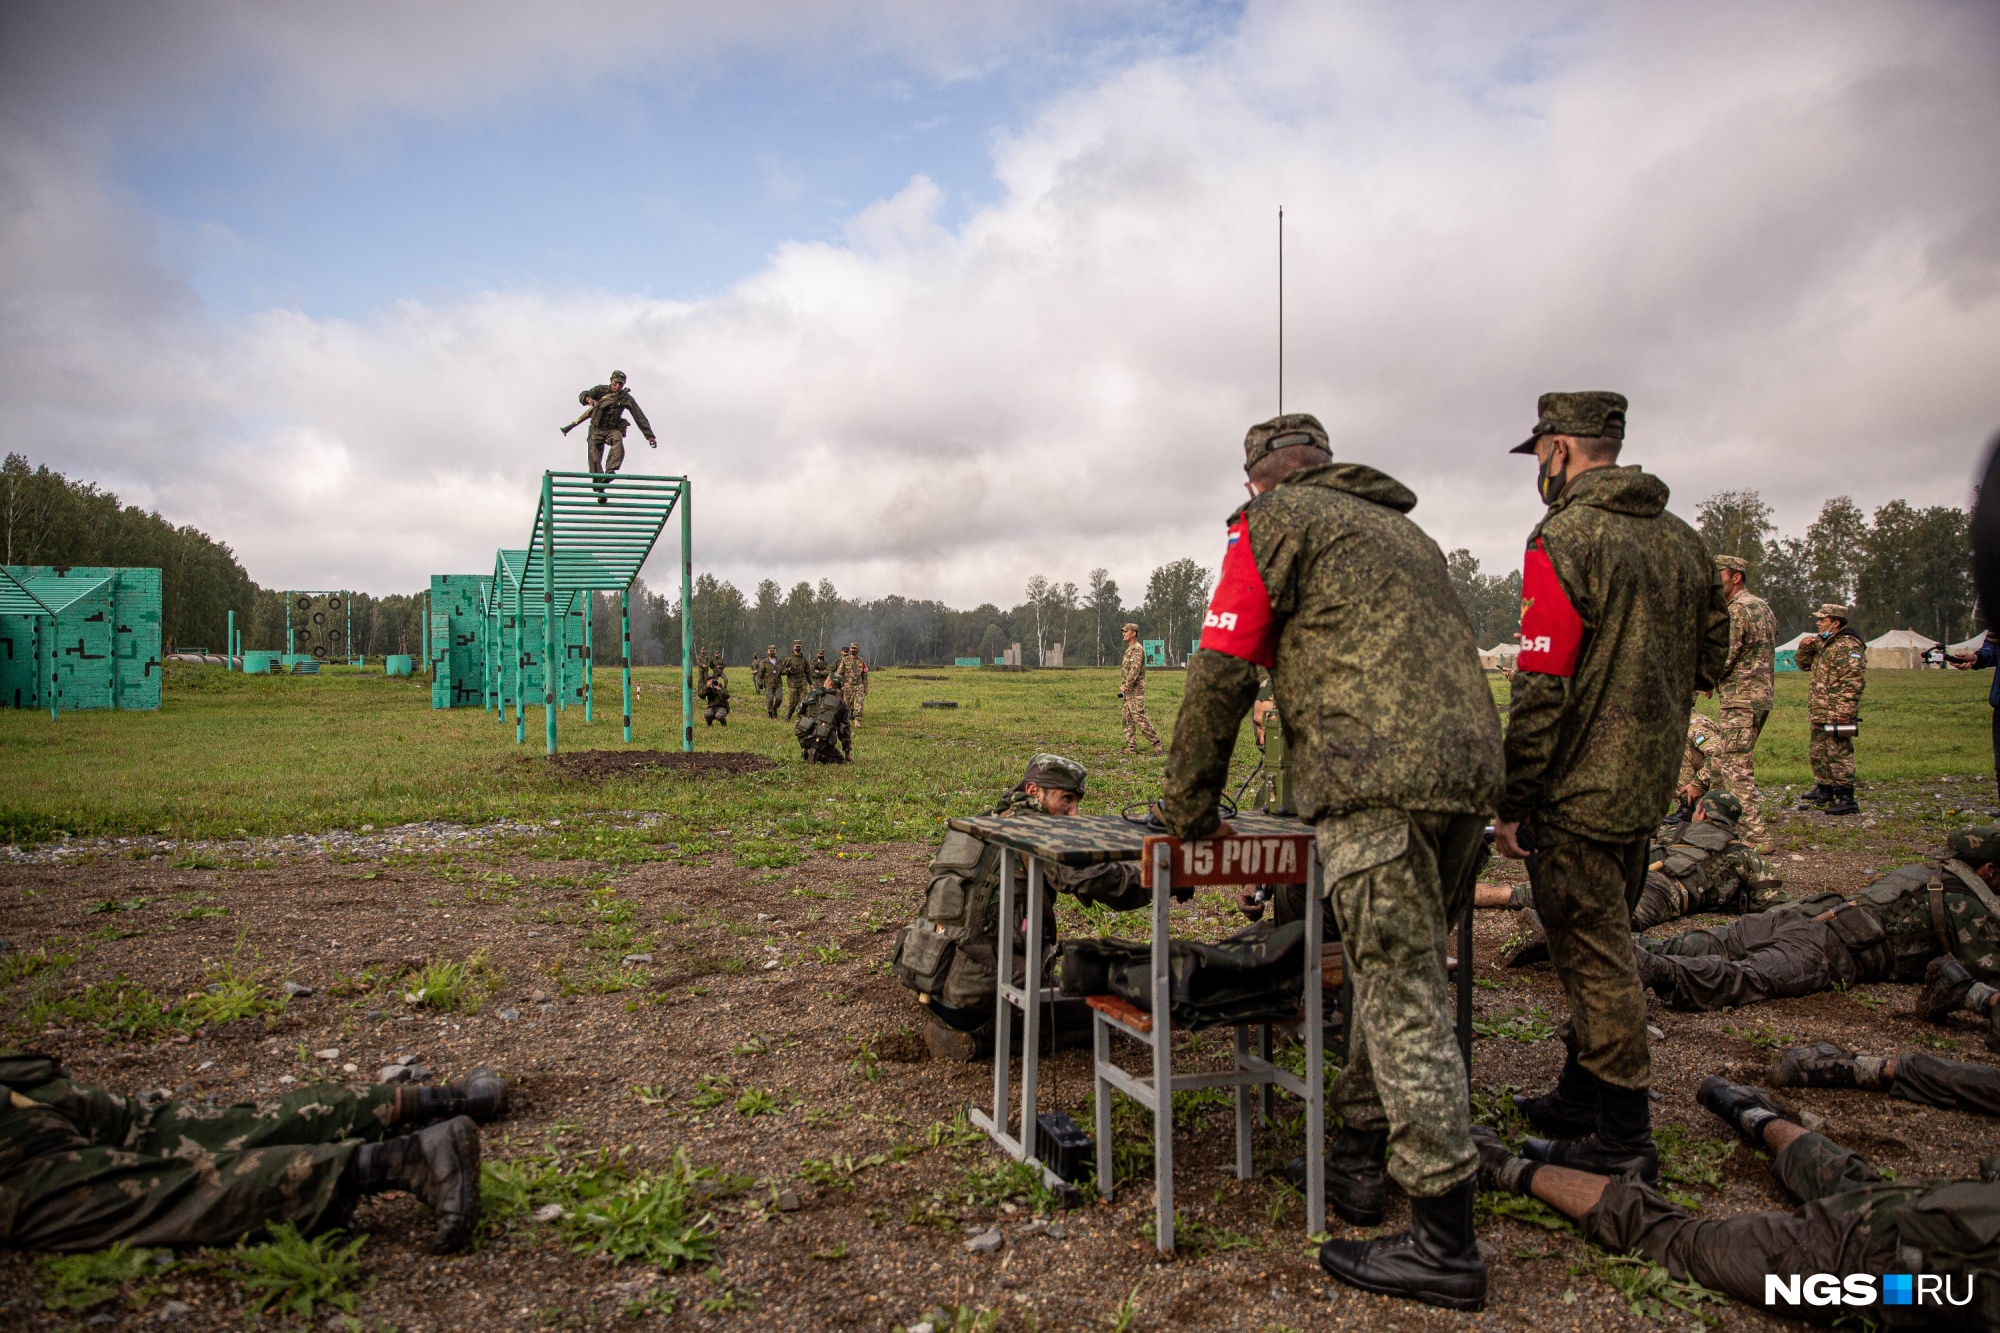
(1585, 891)
(1132, 711)
(793, 696)
(1851, 1221)
(774, 696)
(1931, 1080)
(606, 450)
(1399, 882)
(853, 695)
(1832, 758)
(81, 1168)
(1736, 767)
(1764, 956)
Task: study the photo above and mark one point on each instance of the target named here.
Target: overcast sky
(928, 298)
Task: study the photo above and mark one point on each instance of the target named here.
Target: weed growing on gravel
(1494, 1107)
(649, 1096)
(1126, 1316)
(201, 913)
(114, 905)
(1524, 1208)
(79, 1281)
(1648, 1288)
(755, 1102)
(457, 988)
(866, 1063)
(838, 1172)
(609, 1208)
(1763, 1035)
(24, 963)
(1524, 1025)
(1192, 1236)
(228, 995)
(1691, 1158)
(292, 1275)
(119, 1007)
(711, 1091)
(659, 1301)
(959, 1133)
(991, 1185)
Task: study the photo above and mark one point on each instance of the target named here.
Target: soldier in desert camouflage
(1132, 693)
(1837, 657)
(1743, 697)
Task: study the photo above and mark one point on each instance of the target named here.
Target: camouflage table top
(1085, 840)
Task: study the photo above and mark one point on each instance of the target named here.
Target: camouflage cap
(1593, 413)
(1054, 772)
(618, 376)
(1722, 808)
(1735, 562)
(1833, 611)
(854, 647)
(1976, 845)
(1282, 433)
(1130, 628)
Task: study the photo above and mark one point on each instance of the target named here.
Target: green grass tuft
(293, 1275)
(79, 1281)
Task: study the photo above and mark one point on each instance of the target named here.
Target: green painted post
(229, 645)
(625, 654)
(589, 651)
(687, 618)
(347, 600)
(521, 659)
(551, 664)
(291, 645)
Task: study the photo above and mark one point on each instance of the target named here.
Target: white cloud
(1771, 224)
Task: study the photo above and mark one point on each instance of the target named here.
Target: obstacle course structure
(79, 638)
(319, 627)
(592, 533)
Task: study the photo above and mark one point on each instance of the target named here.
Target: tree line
(1901, 567)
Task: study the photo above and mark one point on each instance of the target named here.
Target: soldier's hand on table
(1504, 840)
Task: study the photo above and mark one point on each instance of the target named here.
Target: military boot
(1746, 1110)
(1622, 1144)
(439, 1165)
(1825, 1065)
(1843, 802)
(481, 1094)
(1656, 974)
(1357, 1175)
(1568, 1110)
(1816, 798)
(1436, 1261)
(948, 1043)
(1946, 984)
(1528, 945)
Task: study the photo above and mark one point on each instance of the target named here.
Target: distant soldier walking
(1838, 660)
(608, 404)
(1132, 690)
(850, 675)
(796, 672)
(773, 684)
(1744, 695)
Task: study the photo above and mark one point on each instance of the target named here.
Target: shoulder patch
(1551, 629)
(1239, 622)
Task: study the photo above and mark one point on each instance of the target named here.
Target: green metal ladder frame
(593, 531)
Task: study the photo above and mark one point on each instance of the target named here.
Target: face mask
(1549, 485)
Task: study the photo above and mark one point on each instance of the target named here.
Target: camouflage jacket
(847, 671)
(795, 667)
(1753, 651)
(1704, 747)
(1715, 868)
(715, 690)
(1901, 902)
(610, 408)
(1839, 666)
(1373, 668)
(1132, 670)
(1622, 620)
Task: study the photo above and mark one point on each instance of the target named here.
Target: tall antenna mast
(1281, 310)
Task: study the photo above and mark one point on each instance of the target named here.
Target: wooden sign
(1242, 859)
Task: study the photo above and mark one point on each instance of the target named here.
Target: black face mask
(1549, 485)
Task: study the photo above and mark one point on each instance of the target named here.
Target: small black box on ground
(1062, 1145)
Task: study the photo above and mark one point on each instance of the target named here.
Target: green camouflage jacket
(1622, 620)
(1839, 666)
(1900, 901)
(611, 407)
(1753, 650)
(795, 667)
(1710, 867)
(1373, 668)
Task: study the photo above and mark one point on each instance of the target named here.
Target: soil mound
(700, 764)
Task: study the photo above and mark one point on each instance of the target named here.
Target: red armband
(1551, 630)
(1239, 620)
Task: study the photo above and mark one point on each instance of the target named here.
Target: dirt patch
(700, 764)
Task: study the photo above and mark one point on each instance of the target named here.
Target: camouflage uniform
(1622, 621)
(609, 403)
(715, 692)
(860, 683)
(1395, 756)
(773, 684)
(1851, 1221)
(1700, 761)
(1743, 698)
(1132, 693)
(847, 677)
(797, 674)
(1888, 931)
(81, 1168)
(824, 729)
(1839, 666)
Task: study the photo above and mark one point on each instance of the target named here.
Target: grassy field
(232, 754)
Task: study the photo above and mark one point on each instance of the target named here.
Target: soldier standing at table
(1622, 620)
(1744, 695)
(1838, 660)
(1132, 693)
(1395, 757)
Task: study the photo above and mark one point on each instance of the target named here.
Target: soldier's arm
(1808, 651)
(1713, 663)
(1850, 678)
(1741, 643)
(639, 416)
(1114, 883)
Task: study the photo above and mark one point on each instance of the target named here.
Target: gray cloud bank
(1775, 226)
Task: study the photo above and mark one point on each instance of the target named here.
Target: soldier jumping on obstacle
(608, 404)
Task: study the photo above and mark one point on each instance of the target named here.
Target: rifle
(580, 420)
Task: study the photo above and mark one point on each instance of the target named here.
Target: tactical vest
(1896, 925)
(949, 953)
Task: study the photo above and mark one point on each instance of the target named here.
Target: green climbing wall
(104, 638)
(457, 643)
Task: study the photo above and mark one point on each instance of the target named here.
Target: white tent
(1500, 656)
(1968, 647)
(1792, 645)
(1899, 649)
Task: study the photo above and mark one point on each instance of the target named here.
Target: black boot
(1825, 1065)
(439, 1165)
(1357, 1176)
(1567, 1111)
(1818, 796)
(1843, 802)
(482, 1094)
(1622, 1145)
(1946, 983)
(1746, 1110)
(1436, 1261)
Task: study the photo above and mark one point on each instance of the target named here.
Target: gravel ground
(774, 979)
